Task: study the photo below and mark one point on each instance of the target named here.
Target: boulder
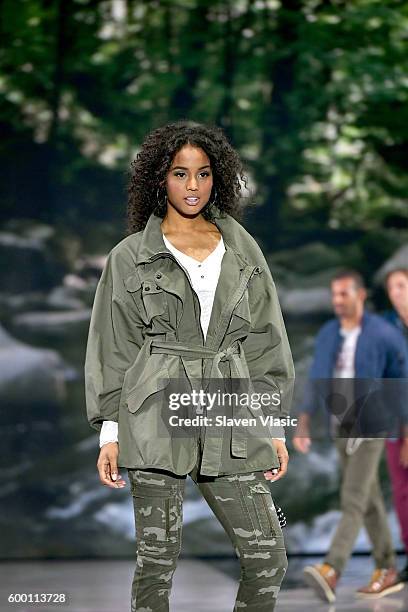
(29, 376)
(61, 323)
(306, 302)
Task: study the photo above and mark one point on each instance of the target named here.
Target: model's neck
(176, 223)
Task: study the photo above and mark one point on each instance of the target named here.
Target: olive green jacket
(145, 330)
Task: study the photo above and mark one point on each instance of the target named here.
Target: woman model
(187, 295)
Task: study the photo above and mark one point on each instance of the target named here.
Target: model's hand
(404, 453)
(283, 457)
(302, 443)
(107, 465)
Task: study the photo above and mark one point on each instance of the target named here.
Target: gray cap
(398, 261)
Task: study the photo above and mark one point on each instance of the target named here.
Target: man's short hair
(349, 273)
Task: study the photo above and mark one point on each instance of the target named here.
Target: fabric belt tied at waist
(231, 354)
(195, 351)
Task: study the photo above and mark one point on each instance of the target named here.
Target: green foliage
(312, 92)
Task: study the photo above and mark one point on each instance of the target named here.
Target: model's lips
(192, 200)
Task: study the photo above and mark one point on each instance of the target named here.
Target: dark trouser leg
(158, 505)
(399, 482)
(243, 505)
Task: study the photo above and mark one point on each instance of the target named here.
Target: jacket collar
(365, 319)
(152, 238)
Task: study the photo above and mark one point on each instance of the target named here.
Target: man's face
(397, 289)
(347, 298)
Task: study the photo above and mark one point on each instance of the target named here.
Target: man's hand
(404, 453)
(302, 443)
(283, 457)
(107, 465)
(301, 439)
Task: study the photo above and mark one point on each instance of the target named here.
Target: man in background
(396, 284)
(354, 344)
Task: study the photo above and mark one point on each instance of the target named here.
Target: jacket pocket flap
(145, 387)
(151, 287)
(132, 283)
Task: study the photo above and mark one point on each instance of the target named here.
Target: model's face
(189, 180)
(346, 297)
(397, 288)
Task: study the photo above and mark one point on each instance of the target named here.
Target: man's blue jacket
(381, 352)
(393, 317)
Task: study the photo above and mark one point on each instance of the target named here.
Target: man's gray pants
(362, 503)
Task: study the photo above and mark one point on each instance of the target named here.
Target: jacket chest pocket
(150, 298)
(154, 299)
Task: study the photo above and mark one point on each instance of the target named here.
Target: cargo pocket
(146, 386)
(134, 287)
(154, 300)
(149, 297)
(158, 516)
(264, 510)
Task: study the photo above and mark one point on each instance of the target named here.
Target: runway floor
(199, 585)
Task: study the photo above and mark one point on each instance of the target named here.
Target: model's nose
(192, 185)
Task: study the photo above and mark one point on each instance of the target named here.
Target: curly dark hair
(146, 189)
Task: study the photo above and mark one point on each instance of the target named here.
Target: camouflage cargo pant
(242, 503)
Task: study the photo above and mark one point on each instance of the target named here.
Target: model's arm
(269, 357)
(114, 340)
(267, 349)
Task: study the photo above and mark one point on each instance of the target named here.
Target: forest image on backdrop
(313, 94)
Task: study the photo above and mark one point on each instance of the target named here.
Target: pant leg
(243, 504)
(399, 483)
(376, 524)
(158, 505)
(359, 472)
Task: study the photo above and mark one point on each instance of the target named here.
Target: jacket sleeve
(267, 349)
(114, 340)
(396, 373)
(396, 355)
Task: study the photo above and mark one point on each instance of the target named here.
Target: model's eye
(179, 173)
(205, 173)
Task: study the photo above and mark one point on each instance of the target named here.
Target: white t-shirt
(203, 277)
(345, 367)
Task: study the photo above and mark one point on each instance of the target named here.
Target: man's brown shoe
(323, 579)
(383, 582)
